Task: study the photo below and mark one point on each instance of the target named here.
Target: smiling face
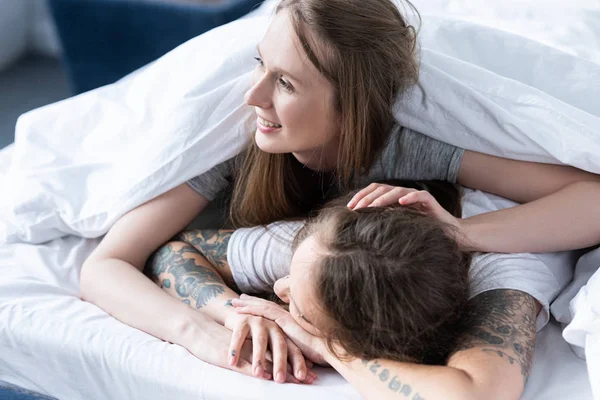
(297, 289)
(293, 101)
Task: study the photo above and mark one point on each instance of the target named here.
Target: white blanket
(78, 165)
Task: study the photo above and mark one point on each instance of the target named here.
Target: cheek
(306, 117)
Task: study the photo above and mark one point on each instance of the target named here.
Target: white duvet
(80, 164)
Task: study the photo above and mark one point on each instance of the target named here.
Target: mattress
(54, 343)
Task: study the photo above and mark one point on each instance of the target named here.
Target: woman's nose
(259, 95)
(282, 289)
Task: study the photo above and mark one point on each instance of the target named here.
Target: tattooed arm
(180, 270)
(212, 245)
(184, 271)
(493, 361)
(498, 350)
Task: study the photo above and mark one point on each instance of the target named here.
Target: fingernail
(257, 371)
(232, 360)
(301, 375)
(279, 377)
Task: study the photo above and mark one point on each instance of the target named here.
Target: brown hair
(392, 283)
(367, 50)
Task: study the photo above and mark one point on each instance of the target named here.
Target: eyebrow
(279, 70)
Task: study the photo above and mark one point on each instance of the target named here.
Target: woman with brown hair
(382, 294)
(328, 73)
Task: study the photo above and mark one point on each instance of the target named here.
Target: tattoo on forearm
(191, 280)
(393, 382)
(503, 323)
(211, 243)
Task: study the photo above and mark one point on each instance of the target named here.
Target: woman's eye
(285, 85)
(260, 61)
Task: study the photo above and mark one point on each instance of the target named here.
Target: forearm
(124, 292)
(188, 277)
(212, 245)
(385, 379)
(492, 360)
(565, 220)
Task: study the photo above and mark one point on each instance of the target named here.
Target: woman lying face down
(378, 282)
(372, 288)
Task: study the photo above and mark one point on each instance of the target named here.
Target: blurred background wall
(31, 72)
(53, 49)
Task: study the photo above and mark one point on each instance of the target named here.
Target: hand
(263, 333)
(209, 341)
(381, 195)
(311, 346)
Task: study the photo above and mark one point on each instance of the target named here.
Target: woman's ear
(282, 289)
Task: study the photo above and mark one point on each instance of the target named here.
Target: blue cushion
(104, 40)
(12, 392)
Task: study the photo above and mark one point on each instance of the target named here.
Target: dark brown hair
(367, 50)
(392, 283)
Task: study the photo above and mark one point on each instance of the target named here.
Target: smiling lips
(267, 126)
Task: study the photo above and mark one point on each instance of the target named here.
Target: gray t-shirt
(408, 155)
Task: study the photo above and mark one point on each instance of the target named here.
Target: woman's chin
(269, 144)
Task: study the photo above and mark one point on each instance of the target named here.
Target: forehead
(280, 49)
(302, 270)
(305, 256)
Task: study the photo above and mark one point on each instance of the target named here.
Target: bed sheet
(56, 344)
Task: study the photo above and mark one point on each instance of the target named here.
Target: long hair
(392, 282)
(367, 50)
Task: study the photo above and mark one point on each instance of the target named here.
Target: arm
(180, 270)
(212, 245)
(493, 361)
(112, 279)
(562, 211)
(187, 275)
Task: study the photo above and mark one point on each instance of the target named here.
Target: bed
(53, 343)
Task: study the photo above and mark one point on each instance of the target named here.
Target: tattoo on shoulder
(211, 243)
(503, 323)
(393, 382)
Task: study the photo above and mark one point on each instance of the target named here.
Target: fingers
(374, 195)
(260, 340)
(391, 197)
(238, 338)
(420, 196)
(378, 195)
(280, 352)
(247, 305)
(358, 197)
(244, 366)
(297, 360)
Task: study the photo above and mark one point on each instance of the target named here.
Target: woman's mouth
(266, 126)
